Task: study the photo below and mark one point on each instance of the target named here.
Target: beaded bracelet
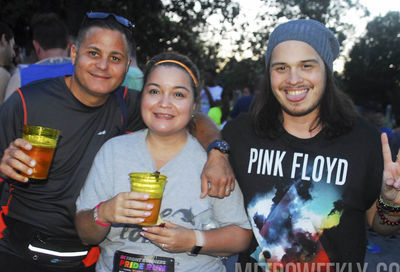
(96, 216)
(385, 220)
(387, 207)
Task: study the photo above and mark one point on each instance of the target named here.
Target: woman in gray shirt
(205, 228)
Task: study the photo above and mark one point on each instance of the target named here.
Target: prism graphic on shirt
(289, 223)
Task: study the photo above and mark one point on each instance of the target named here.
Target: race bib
(128, 262)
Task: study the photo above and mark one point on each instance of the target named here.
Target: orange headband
(182, 65)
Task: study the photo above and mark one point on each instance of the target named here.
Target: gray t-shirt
(181, 203)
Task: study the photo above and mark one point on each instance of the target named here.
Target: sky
(250, 8)
(381, 7)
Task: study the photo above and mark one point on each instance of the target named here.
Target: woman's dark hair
(337, 113)
(224, 103)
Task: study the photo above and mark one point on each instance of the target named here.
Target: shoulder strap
(121, 93)
(24, 106)
(209, 96)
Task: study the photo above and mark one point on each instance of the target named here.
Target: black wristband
(220, 145)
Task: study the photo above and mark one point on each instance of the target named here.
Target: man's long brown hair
(337, 113)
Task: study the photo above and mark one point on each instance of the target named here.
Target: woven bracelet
(385, 220)
(387, 207)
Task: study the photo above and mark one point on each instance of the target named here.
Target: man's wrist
(2, 176)
(388, 214)
(385, 205)
(217, 153)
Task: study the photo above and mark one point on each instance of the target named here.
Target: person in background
(220, 112)
(211, 94)
(134, 76)
(37, 231)
(51, 44)
(202, 227)
(7, 54)
(374, 113)
(310, 169)
(243, 103)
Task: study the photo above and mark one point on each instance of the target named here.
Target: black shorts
(12, 263)
(27, 250)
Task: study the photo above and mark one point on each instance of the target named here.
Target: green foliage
(239, 74)
(328, 12)
(373, 70)
(180, 25)
(160, 25)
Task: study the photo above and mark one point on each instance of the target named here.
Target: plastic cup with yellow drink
(43, 141)
(153, 185)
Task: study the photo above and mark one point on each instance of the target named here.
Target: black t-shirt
(306, 198)
(50, 205)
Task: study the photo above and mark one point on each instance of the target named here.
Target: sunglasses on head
(104, 15)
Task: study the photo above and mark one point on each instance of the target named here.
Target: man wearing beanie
(308, 166)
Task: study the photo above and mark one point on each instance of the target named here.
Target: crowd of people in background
(51, 44)
(7, 55)
(289, 167)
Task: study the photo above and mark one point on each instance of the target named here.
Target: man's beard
(301, 113)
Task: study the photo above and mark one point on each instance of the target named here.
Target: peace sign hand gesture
(391, 174)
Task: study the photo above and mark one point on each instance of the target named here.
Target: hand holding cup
(43, 141)
(153, 185)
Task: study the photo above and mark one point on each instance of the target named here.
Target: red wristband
(96, 216)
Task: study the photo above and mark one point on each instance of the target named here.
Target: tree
(160, 25)
(239, 74)
(236, 74)
(373, 70)
(179, 25)
(328, 12)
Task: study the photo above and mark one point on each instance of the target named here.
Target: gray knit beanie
(309, 31)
